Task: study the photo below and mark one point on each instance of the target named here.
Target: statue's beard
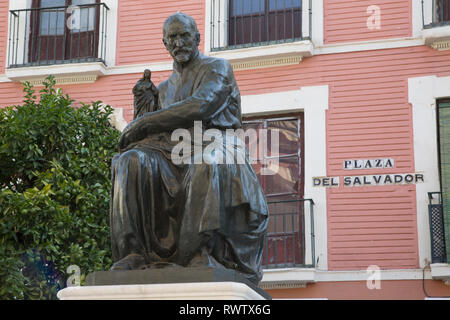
(182, 55)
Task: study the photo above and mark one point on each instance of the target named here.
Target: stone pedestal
(173, 283)
(168, 291)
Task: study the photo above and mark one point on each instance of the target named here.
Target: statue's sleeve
(209, 98)
(137, 87)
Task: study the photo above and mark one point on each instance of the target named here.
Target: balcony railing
(57, 35)
(437, 231)
(439, 15)
(290, 235)
(249, 23)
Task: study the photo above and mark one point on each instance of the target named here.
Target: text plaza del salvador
(369, 180)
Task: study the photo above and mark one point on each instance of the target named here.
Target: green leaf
(55, 163)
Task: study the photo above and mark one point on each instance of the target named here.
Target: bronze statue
(145, 95)
(165, 213)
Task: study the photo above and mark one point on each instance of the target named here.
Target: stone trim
(266, 63)
(441, 45)
(66, 80)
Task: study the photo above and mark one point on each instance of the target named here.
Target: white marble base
(170, 291)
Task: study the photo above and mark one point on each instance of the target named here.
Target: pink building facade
(358, 90)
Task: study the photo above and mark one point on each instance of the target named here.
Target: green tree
(55, 181)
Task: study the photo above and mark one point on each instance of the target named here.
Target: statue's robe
(170, 212)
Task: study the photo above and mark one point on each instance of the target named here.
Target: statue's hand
(124, 140)
(136, 130)
(129, 135)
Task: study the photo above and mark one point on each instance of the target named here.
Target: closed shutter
(444, 145)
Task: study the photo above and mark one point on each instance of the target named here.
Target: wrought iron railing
(437, 15)
(290, 236)
(437, 231)
(57, 35)
(248, 23)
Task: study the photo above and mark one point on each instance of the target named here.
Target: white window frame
(428, 11)
(437, 37)
(270, 53)
(313, 102)
(422, 94)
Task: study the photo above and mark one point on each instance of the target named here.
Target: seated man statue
(194, 213)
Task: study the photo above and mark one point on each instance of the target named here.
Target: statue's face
(147, 74)
(181, 41)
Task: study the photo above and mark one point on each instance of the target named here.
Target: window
(435, 13)
(253, 21)
(441, 11)
(444, 165)
(286, 183)
(57, 31)
(245, 23)
(282, 183)
(55, 40)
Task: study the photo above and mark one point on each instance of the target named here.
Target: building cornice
(241, 59)
(63, 73)
(441, 45)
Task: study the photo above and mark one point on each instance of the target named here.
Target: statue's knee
(130, 156)
(205, 167)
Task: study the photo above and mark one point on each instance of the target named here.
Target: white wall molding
(93, 68)
(422, 94)
(417, 21)
(111, 36)
(139, 68)
(15, 5)
(379, 44)
(117, 120)
(289, 278)
(426, 18)
(4, 78)
(299, 277)
(317, 22)
(66, 73)
(363, 275)
(313, 102)
(266, 56)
